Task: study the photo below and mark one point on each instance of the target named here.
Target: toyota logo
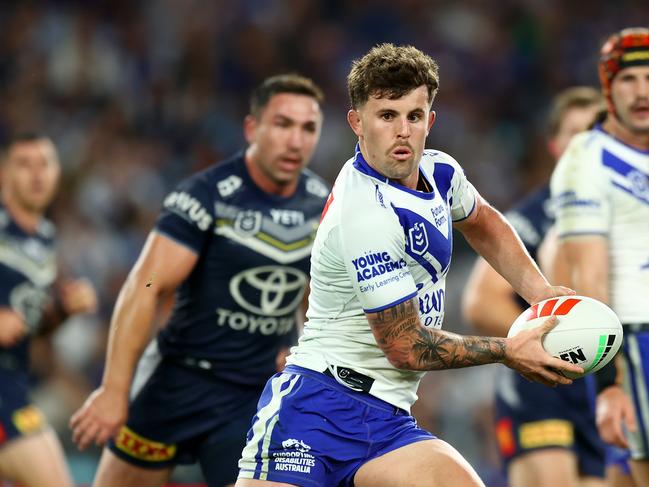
(269, 290)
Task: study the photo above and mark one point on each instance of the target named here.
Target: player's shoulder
(533, 203)
(314, 185)
(582, 158)
(441, 161)
(221, 179)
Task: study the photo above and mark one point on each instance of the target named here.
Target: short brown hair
(391, 71)
(283, 83)
(576, 97)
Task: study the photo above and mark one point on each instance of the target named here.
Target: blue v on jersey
(238, 305)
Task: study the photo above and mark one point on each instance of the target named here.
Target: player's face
(31, 173)
(283, 138)
(630, 94)
(574, 120)
(392, 133)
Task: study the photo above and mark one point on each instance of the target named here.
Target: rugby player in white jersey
(339, 414)
(601, 186)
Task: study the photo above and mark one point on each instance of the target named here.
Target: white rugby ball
(588, 333)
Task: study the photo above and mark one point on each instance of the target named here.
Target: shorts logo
(294, 458)
(28, 419)
(418, 238)
(269, 290)
(550, 432)
(248, 223)
(299, 445)
(142, 448)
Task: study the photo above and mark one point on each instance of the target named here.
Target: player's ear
(432, 116)
(250, 124)
(354, 120)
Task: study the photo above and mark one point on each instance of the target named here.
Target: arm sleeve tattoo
(410, 345)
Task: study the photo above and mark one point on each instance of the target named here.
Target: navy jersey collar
(361, 164)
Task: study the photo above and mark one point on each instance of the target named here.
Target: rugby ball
(588, 333)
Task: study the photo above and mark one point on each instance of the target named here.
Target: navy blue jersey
(27, 270)
(239, 303)
(532, 218)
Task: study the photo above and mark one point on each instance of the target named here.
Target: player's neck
(264, 183)
(26, 219)
(637, 140)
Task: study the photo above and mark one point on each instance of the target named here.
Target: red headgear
(629, 47)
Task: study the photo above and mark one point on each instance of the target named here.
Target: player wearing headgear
(33, 300)
(546, 436)
(233, 242)
(601, 189)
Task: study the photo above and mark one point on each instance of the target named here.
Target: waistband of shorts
(635, 327)
(332, 383)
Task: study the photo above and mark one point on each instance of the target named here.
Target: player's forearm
(587, 260)
(130, 331)
(409, 345)
(496, 240)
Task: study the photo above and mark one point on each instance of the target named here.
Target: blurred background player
(32, 302)
(233, 242)
(547, 436)
(601, 188)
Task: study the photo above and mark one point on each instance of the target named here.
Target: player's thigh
(35, 460)
(115, 472)
(618, 477)
(540, 468)
(640, 471)
(260, 483)
(431, 463)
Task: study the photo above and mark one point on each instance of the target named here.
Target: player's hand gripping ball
(588, 333)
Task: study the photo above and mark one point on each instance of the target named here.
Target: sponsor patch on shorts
(28, 419)
(550, 432)
(142, 448)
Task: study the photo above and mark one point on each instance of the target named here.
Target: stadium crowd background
(137, 94)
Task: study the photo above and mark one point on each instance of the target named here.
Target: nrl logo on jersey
(248, 223)
(418, 238)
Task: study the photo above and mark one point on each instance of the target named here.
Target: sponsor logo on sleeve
(228, 185)
(142, 448)
(189, 208)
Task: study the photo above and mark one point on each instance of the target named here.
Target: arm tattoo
(410, 345)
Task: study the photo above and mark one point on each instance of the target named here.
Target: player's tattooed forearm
(410, 345)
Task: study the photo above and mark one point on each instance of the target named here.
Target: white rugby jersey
(380, 244)
(601, 186)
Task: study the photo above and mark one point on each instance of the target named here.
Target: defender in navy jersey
(339, 413)
(233, 242)
(546, 436)
(30, 453)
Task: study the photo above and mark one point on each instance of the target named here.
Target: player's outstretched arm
(409, 345)
(161, 267)
(489, 233)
